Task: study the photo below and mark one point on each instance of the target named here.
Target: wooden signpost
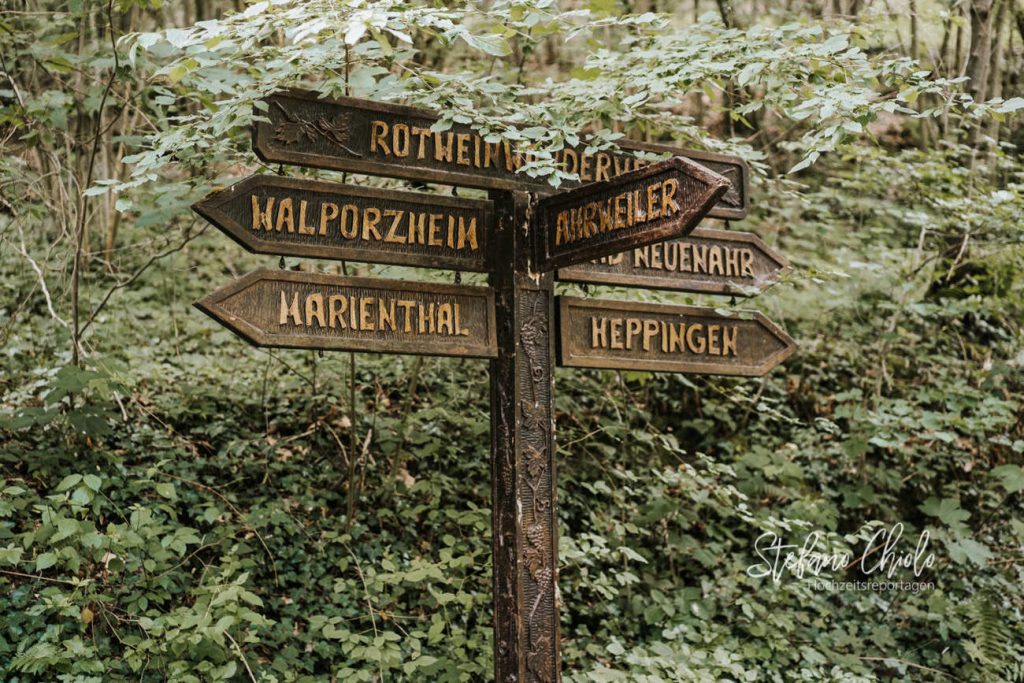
(632, 206)
(314, 311)
(706, 261)
(295, 217)
(623, 335)
(382, 139)
(638, 208)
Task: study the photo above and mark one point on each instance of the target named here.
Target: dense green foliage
(175, 505)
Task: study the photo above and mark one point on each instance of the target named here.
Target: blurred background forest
(177, 505)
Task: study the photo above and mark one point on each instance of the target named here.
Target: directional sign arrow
(666, 338)
(378, 138)
(316, 311)
(707, 260)
(296, 217)
(639, 208)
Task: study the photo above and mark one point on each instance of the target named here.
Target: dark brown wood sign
(314, 311)
(666, 338)
(707, 260)
(636, 209)
(628, 205)
(296, 217)
(375, 138)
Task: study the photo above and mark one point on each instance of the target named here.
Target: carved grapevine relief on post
(537, 477)
(296, 128)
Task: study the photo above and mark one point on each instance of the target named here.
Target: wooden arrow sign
(636, 209)
(666, 338)
(314, 311)
(375, 138)
(708, 261)
(297, 217)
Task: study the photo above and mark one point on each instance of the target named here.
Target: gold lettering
(371, 217)
(328, 212)
(713, 331)
(366, 315)
(601, 170)
(417, 227)
(568, 154)
(422, 134)
(379, 136)
(598, 333)
(642, 257)
(633, 328)
(562, 228)
(393, 235)
(462, 149)
(442, 152)
(349, 226)
(656, 256)
(650, 329)
(748, 263)
(444, 319)
(290, 311)
(616, 327)
(607, 224)
(729, 340)
(426, 318)
(619, 222)
(262, 217)
(459, 331)
(695, 347)
(303, 228)
(337, 305)
(434, 239)
(385, 315)
(671, 255)
(668, 197)
(284, 215)
(732, 262)
(467, 233)
(407, 306)
(315, 310)
(653, 208)
(400, 140)
(591, 226)
(491, 153)
(585, 161)
(512, 161)
(675, 337)
(700, 253)
(715, 260)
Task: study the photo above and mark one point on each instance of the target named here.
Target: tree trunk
(979, 57)
(979, 60)
(995, 84)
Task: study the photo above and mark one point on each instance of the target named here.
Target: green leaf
(45, 561)
(1011, 477)
(1011, 105)
(965, 549)
(948, 511)
(166, 490)
(492, 44)
(68, 481)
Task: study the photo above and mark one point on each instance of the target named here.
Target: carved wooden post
(525, 541)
